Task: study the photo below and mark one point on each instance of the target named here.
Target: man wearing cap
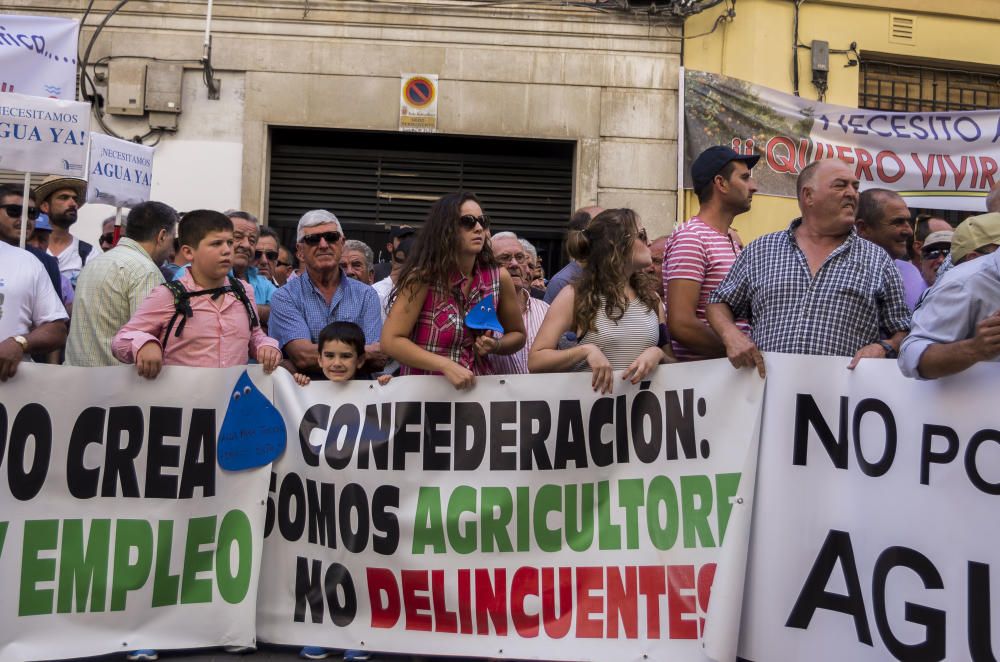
(923, 226)
(933, 250)
(699, 254)
(958, 324)
(815, 288)
(396, 235)
(61, 198)
(113, 284)
(884, 219)
(321, 295)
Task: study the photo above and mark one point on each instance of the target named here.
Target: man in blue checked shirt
(815, 288)
(323, 294)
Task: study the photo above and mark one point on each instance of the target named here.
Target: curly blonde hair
(606, 247)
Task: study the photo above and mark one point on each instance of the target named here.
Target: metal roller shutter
(372, 180)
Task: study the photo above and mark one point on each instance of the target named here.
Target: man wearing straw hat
(61, 198)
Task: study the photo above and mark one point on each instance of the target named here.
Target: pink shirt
(214, 337)
(698, 252)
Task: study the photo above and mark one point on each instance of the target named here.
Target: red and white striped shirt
(698, 252)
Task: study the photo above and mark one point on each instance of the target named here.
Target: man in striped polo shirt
(699, 254)
(112, 285)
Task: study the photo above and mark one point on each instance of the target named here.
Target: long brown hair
(433, 260)
(606, 247)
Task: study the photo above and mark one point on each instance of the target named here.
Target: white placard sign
(120, 171)
(38, 56)
(43, 135)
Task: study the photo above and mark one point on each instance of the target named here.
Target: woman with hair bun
(450, 270)
(612, 308)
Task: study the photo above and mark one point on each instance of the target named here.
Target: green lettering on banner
(462, 500)
(609, 534)
(3, 536)
(427, 529)
(631, 496)
(494, 524)
(83, 570)
(696, 516)
(201, 531)
(523, 520)
(726, 486)
(130, 534)
(165, 586)
(580, 517)
(234, 530)
(39, 535)
(548, 500)
(661, 490)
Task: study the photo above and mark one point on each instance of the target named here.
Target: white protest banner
(944, 160)
(529, 518)
(118, 530)
(43, 135)
(121, 172)
(874, 527)
(38, 55)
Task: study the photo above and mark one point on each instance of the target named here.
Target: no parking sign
(418, 102)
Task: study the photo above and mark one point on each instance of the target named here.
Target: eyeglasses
(935, 253)
(15, 211)
(331, 237)
(504, 258)
(469, 221)
(643, 236)
(271, 255)
(108, 238)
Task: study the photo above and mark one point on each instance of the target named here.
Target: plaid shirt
(440, 327)
(855, 298)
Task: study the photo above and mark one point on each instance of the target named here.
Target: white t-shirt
(70, 262)
(27, 299)
(384, 289)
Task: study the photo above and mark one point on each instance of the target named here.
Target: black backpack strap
(182, 308)
(240, 293)
(84, 249)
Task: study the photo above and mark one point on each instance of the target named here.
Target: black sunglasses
(108, 238)
(935, 253)
(271, 255)
(468, 221)
(313, 239)
(14, 211)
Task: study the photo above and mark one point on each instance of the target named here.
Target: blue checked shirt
(855, 298)
(299, 311)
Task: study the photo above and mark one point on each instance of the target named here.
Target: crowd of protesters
(853, 276)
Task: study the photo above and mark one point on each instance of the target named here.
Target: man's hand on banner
(149, 360)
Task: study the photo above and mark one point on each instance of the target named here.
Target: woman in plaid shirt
(450, 269)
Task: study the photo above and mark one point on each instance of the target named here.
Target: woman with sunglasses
(450, 269)
(612, 308)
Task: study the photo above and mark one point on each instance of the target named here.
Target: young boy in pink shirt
(206, 318)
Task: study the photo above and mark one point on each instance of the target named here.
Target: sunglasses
(14, 211)
(935, 253)
(314, 239)
(469, 221)
(643, 236)
(108, 238)
(272, 256)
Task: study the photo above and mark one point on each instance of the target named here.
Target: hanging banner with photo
(120, 171)
(947, 160)
(874, 530)
(38, 55)
(530, 518)
(118, 528)
(43, 135)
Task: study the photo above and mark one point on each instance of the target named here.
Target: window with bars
(906, 87)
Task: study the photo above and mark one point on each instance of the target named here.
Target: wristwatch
(22, 341)
(890, 351)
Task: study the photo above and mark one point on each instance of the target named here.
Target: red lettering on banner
(416, 602)
(681, 602)
(880, 160)
(959, 170)
(975, 172)
(557, 627)
(587, 580)
(844, 154)
(623, 602)
(524, 583)
(465, 600)
(382, 582)
(989, 166)
(444, 620)
(926, 170)
(491, 601)
(706, 576)
(865, 161)
(652, 584)
(940, 162)
(777, 161)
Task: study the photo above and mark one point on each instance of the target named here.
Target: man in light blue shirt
(958, 323)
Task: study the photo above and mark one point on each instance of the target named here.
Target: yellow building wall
(756, 45)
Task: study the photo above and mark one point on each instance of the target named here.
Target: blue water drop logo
(483, 316)
(253, 432)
